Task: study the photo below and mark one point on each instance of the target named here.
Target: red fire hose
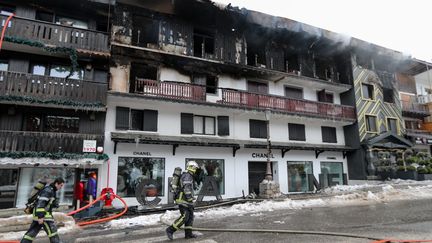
(4, 29)
(107, 197)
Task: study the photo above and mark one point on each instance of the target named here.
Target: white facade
(235, 171)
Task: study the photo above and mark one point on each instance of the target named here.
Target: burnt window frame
(260, 84)
(208, 38)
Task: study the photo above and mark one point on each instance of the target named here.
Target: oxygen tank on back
(175, 182)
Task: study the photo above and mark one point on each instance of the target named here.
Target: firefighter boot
(170, 231)
(189, 235)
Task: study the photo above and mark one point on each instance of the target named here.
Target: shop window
(257, 128)
(132, 119)
(204, 42)
(294, 93)
(61, 124)
(292, 63)
(135, 170)
(257, 87)
(371, 125)
(298, 176)
(30, 176)
(138, 73)
(214, 168)
(331, 174)
(8, 187)
(368, 91)
(392, 125)
(210, 82)
(296, 132)
(329, 134)
(388, 95)
(204, 125)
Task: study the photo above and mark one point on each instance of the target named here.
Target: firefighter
(42, 213)
(184, 199)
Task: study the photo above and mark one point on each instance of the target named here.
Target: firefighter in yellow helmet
(184, 199)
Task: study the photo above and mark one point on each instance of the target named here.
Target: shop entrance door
(8, 187)
(257, 170)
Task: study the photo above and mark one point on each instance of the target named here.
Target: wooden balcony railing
(57, 35)
(414, 107)
(173, 90)
(51, 88)
(17, 141)
(252, 100)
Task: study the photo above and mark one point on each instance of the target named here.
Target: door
(257, 171)
(332, 173)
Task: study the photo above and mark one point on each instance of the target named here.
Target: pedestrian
(42, 213)
(184, 199)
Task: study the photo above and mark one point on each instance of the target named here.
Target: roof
(388, 140)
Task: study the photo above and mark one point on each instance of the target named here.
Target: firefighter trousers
(49, 227)
(186, 218)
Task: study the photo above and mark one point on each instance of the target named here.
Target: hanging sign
(89, 146)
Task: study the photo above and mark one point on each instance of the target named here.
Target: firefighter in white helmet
(184, 198)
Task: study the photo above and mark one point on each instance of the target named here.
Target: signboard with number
(89, 146)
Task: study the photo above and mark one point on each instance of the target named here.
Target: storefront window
(8, 186)
(298, 176)
(334, 171)
(30, 176)
(133, 170)
(212, 167)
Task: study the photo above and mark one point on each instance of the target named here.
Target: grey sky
(395, 24)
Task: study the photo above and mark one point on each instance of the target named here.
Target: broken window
(388, 95)
(368, 91)
(68, 21)
(323, 70)
(145, 32)
(256, 55)
(204, 125)
(63, 124)
(210, 82)
(292, 63)
(257, 87)
(204, 43)
(139, 73)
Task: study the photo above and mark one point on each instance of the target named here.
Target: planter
(407, 175)
(387, 175)
(424, 177)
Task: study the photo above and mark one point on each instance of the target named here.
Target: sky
(400, 25)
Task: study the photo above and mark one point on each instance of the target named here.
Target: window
(298, 176)
(324, 96)
(38, 69)
(4, 64)
(294, 93)
(214, 168)
(296, 132)
(333, 172)
(71, 22)
(204, 42)
(204, 125)
(132, 119)
(135, 170)
(44, 16)
(368, 91)
(388, 95)
(257, 128)
(210, 82)
(257, 87)
(145, 31)
(6, 10)
(371, 125)
(62, 124)
(223, 125)
(329, 134)
(392, 125)
(60, 71)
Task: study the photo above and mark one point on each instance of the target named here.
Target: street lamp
(269, 174)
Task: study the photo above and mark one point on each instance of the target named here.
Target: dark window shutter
(136, 119)
(122, 118)
(186, 123)
(150, 120)
(257, 129)
(329, 134)
(223, 125)
(296, 132)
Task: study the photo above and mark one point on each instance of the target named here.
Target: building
(53, 83)
(192, 86)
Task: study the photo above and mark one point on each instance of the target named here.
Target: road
(410, 219)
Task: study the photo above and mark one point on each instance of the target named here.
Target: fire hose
(107, 195)
(4, 29)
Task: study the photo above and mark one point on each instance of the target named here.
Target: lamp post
(269, 174)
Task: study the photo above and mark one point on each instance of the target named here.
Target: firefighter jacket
(185, 194)
(45, 203)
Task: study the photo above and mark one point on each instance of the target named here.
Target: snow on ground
(335, 196)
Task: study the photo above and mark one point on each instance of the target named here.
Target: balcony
(414, 109)
(424, 99)
(56, 35)
(25, 87)
(18, 141)
(171, 90)
(287, 105)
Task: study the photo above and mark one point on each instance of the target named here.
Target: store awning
(388, 140)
